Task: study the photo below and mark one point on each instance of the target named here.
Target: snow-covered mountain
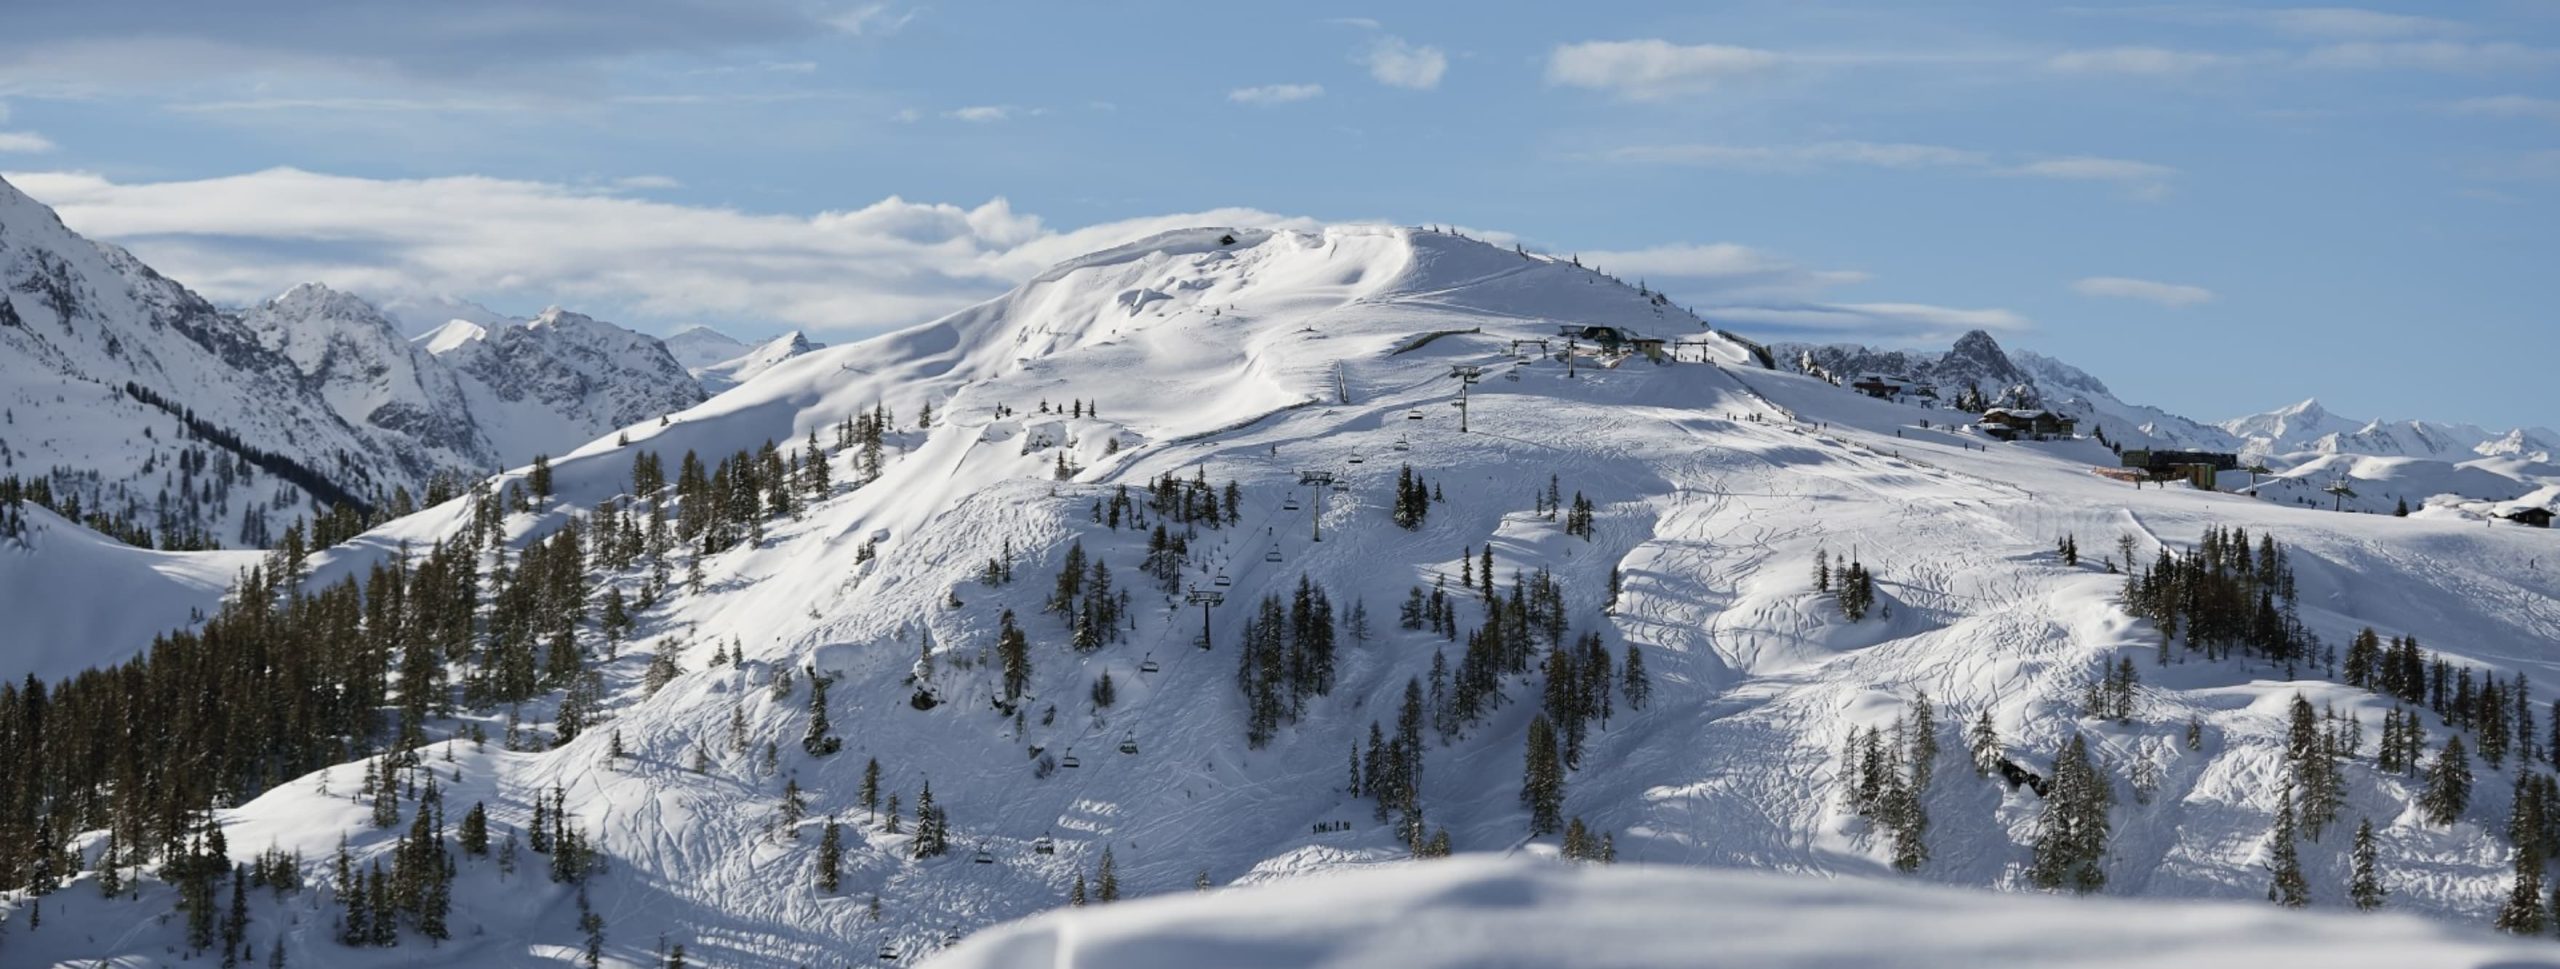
(84, 325)
(2307, 446)
(697, 347)
(307, 399)
(1066, 415)
(560, 378)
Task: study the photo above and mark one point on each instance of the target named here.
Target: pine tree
(2448, 790)
(1075, 896)
(794, 807)
(1639, 684)
(871, 787)
(2287, 887)
(1983, 742)
(1107, 878)
(2523, 913)
(475, 830)
(830, 856)
(2365, 887)
(2070, 846)
(1542, 781)
(1013, 651)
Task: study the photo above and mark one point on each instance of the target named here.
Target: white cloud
(2148, 61)
(871, 20)
(2505, 106)
(1652, 68)
(982, 113)
(2085, 168)
(24, 142)
(1724, 270)
(2172, 295)
(2451, 56)
(646, 182)
(1804, 157)
(2353, 22)
(528, 244)
(1363, 23)
(1396, 63)
(1275, 93)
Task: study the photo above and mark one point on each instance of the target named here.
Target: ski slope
(1254, 356)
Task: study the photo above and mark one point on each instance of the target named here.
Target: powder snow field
(1715, 485)
(1479, 913)
(125, 596)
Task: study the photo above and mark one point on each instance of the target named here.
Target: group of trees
(2224, 596)
(1852, 585)
(1287, 657)
(1093, 610)
(1885, 779)
(1413, 499)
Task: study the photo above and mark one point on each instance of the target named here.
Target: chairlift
(1357, 459)
(1070, 759)
(888, 953)
(1149, 664)
(1413, 415)
(1273, 555)
(1222, 581)
(1403, 444)
(1513, 374)
(984, 857)
(1129, 743)
(1289, 504)
(1044, 846)
(951, 936)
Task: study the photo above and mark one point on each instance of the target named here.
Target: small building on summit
(2536, 517)
(2010, 424)
(1614, 339)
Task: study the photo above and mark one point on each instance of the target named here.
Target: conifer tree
(475, 830)
(1542, 781)
(1107, 878)
(2448, 790)
(2287, 887)
(1075, 896)
(871, 787)
(1013, 651)
(2070, 848)
(1983, 742)
(830, 856)
(2364, 888)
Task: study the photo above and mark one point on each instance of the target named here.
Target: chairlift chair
(1222, 581)
(1149, 664)
(1044, 846)
(951, 936)
(1129, 743)
(888, 953)
(1273, 555)
(1402, 444)
(1357, 459)
(1413, 415)
(1070, 759)
(984, 857)
(1289, 504)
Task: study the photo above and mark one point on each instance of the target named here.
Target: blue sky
(2217, 208)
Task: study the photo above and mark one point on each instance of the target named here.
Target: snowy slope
(128, 594)
(724, 374)
(1714, 486)
(1479, 912)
